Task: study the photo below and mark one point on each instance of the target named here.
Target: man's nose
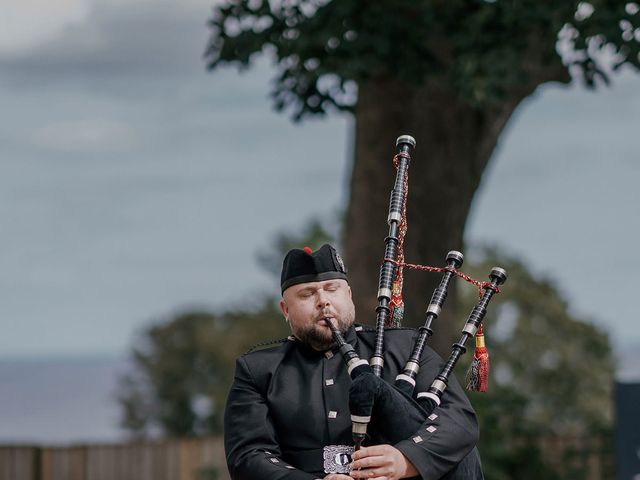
(323, 299)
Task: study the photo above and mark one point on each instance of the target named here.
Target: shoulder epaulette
(268, 343)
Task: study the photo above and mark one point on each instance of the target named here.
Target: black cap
(302, 266)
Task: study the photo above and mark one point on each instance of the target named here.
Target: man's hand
(337, 476)
(381, 462)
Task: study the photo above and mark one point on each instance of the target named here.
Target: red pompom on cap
(308, 250)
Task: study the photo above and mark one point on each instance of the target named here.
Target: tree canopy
(483, 48)
(551, 374)
(183, 368)
(561, 363)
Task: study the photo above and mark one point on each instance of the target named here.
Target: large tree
(451, 73)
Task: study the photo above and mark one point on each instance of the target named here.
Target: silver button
(433, 416)
(333, 414)
(417, 439)
(328, 354)
(431, 429)
(274, 460)
(328, 382)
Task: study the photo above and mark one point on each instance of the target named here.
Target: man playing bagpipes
(287, 414)
(313, 407)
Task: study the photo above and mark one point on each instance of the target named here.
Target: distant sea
(73, 400)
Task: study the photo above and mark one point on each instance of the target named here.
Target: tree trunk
(454, 143)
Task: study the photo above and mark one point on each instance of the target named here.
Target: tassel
(398, 314)
(478, 374)
(396, 305)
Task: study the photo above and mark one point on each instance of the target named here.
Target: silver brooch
(337, 458)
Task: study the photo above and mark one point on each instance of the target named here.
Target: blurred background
(146, 203)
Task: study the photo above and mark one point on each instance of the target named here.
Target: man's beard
(320, 338)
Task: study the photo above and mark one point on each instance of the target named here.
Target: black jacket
(288, 402)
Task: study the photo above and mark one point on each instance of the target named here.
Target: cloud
(28, 23)
(85, 136)
(139, 38)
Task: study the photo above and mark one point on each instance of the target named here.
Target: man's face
(307, 305)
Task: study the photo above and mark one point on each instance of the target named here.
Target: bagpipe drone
(399, 401)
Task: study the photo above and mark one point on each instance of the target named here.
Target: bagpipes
(367, 388)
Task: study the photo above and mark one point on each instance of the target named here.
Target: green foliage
(562, 364)
(551, 374)
(509, 446)
(324, 49)
(184, 368)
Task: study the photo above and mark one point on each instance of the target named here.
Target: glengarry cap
(305, 265)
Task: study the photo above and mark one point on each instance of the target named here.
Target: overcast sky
(135, 184)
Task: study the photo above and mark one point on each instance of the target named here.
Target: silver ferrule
(439, 385)
(406, 378)
(394, 217)
(470, 328)
(384, 293)
(499, 271)
(455, 253)
(360, 419)
(358, 427)
(355, 363)
(412, 366)
(430, 395)
(406, 139)
(434, 308)
(376, 361)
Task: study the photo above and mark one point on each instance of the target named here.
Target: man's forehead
(315, 285)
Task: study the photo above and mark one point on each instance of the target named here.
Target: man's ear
(284, 308)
